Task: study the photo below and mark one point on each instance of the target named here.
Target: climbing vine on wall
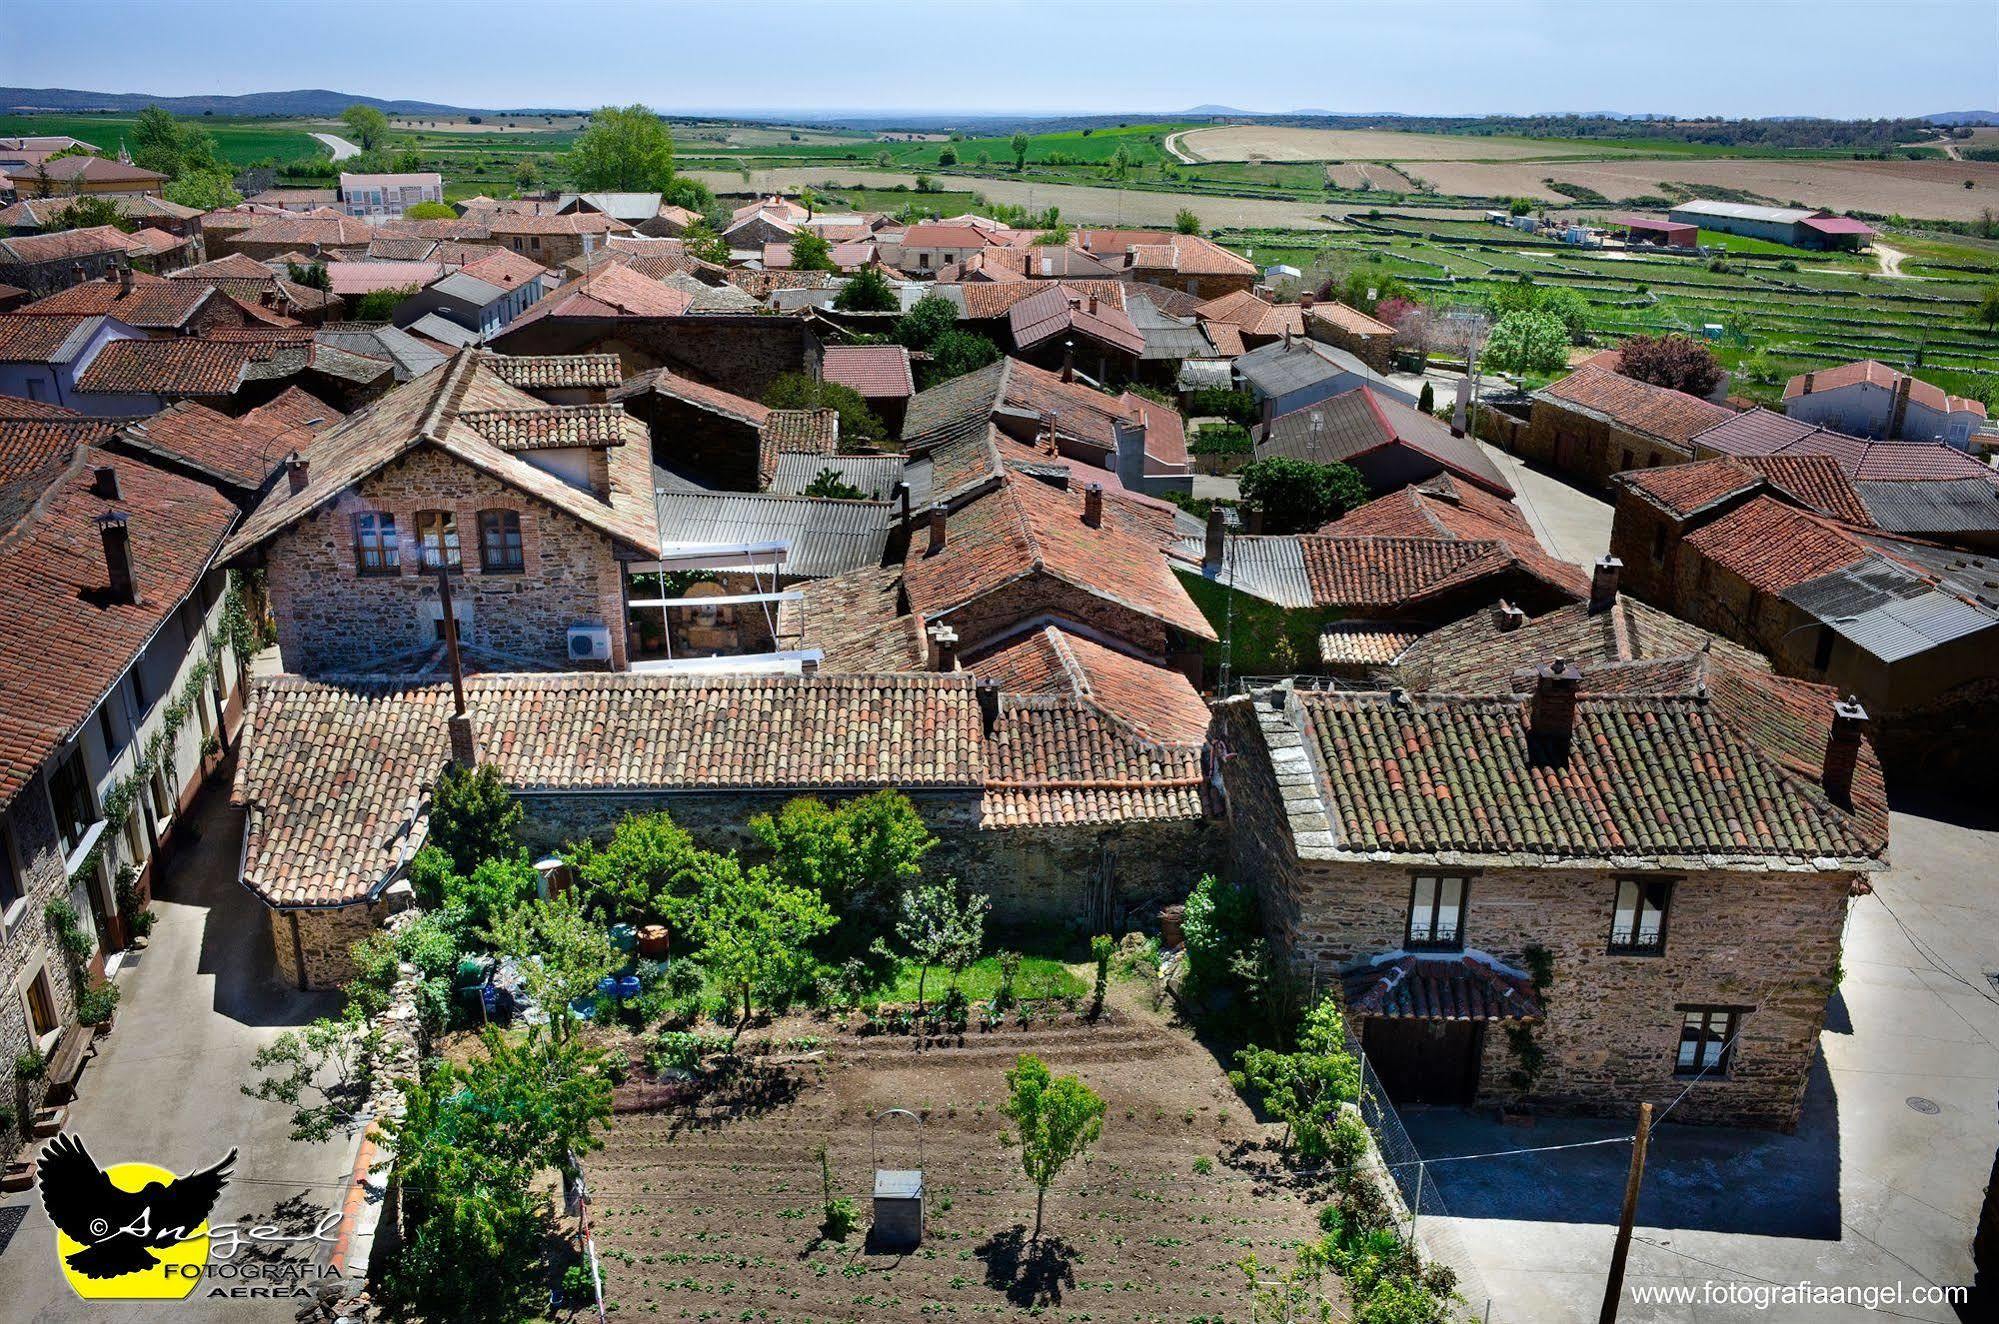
(1526, 1049)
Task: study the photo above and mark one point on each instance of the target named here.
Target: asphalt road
(341, 148)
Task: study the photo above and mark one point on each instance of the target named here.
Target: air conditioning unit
(589, 643)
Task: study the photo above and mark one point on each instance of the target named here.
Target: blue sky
(1845, 58)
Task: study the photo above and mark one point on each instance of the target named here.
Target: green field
(237, 141)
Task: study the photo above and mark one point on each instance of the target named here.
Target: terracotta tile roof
(503, 267)
(153, 241)
(857, 619)
(945, 236)
(1461, 987)
(64, 245)
(1350, 643)
(801, 431)
(439, 228)
(582, 222)
(1683, 489)
(1762, 432)
(1673, 417)
(1056, 760)
(214, 443)
(555, 372)
(609, 290)
(546, 427)
(1055, 310)
(13, 406)
(382, 249)
(351, 278)
(66, 642)
(1885, 377)
(1190, 255)
(235, 266)
(1253, 316)
(1774, 546)
(49, 339)
(664, 381)
(1227, 339)
(878, 372)
(1350, 320)
(97, 170)
(1818, 481)
(152, 304)
(293, 230)
(288, 416)
(1152, 702)
(185, 366)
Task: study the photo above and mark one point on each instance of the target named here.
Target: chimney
(115, 529)
(1810, 377)
(1900, 410)
(1048, 443)
(1842, 751)
(1551, 722)
(1269, 415)
(1068, 360)
(1506, 618)
(1603, 584)
(464, 737)
(299, 470)
(943, 648)
(104, 482)
(939, 516)
(124, 279)
(1093, 505)
(1305, 301)
(597, 460)
(1093, 305)
(1287, 339)
(902, 496)
(1253, 519)
(988, 692)
(1211, 550)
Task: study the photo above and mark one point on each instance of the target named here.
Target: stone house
(1429, 857)
(122, 692)
(1185, 262)
(1369, 340)
(1039, 799)
(1390, 444)
(152, 304)
(1593, 424)
(553, 240)
(91, 175)
(41, 264)
(537, 509)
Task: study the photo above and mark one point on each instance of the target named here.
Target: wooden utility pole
(1613, 1289)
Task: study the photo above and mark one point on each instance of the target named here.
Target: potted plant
(97, 1005)
(47, 1121)
(18, 1175)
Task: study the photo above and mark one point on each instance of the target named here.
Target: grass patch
(1038, 977)
(236, 140)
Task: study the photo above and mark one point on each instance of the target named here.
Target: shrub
(1220, 918)
(1675, 361)
(29, 1064)
(1237, 406)
(94, 1005)
(1297, 496)
(798, 390)
(1223, 439)
(1305, 1088)
(650, 871)
(1528, 342)
(867, 291)
(473, 817)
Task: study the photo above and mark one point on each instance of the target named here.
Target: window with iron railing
(1638, 918)
(1436, 912)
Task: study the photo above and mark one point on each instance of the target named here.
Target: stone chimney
(1068, 360)
(459, 726)
(1253, 519)
(1551, 719)
(124, 278)
(1287, 339)
(943, 648)
(1093, 305)
(1899, 411)
(298, 470)
(1810, 377)
(939, 518)
(1305, 300)
(1842, 751)
(988, 692)
(1603, 584)
(1212, 548)
(114, 527)
(104, 482)
(1506, 618)
(1093, 505)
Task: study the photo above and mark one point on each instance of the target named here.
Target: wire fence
(1426, 1214)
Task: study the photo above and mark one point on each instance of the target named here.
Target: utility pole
(1613, 1288)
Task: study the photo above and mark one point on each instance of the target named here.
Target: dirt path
(1177, 152)
(1890, 259)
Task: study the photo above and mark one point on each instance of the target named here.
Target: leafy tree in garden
(1676, 361)
(649, 871)
(431, 211)
(811, 252)
(1304, 1088)
(563, 954)
(86, 211)
(206, 189)
(1018, 145)
(930, 317)
(756, 933)
(527, 175)
(1528, 343)
(1297, 496)
(625, 149)
(369, 126)
(1220, 920)
(937, 925)
(701, 241)
(1988, 307)
(321, 1071)
(828, 485)
(867, 291)
(495, 886)
(861, 855)
(1057, 1118)
(956, 353)
(474, 817)
(1571, 308)
(312, 275)
(798, 390)
(380, 305)
(1186, 222)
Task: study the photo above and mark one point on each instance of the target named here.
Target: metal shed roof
(1271, 568)
(1887, 610)
(1743, 211)
(822, 537)
(1952, 505)
(874, 475)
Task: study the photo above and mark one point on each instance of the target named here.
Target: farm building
(1796, 226)
(1668, 234)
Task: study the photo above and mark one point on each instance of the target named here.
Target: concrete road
(341, 148)
(195, 1007)
(1881, 1185)
(1571, 523)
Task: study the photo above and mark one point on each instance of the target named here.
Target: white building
(388, 195)
(1869, 399)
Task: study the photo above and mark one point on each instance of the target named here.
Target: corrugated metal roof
(442, 329)
(823, 537)
(474, 291)
(1167, 336)
(1275, 369)
(875, 475)
(1888, 610)
(1957, 505)
(1271, 568)
(1742, 211)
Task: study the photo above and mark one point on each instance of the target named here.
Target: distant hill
(1965, 117)
(301, 101)
(1219, 110)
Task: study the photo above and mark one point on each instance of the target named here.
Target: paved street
(1571, 523)
(1881, 1184)
(196, 1006)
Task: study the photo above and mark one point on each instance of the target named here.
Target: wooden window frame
(89, 798)
(1456, 943)
(38, 998)
(384, 538)
(1730, 1030)
(1619, 946)
(450, 547)
(488, 566)
(13, 876)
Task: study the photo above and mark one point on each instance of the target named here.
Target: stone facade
(1589, 449)
(331, 618)
(741, 353)
(1041, 595)
(28, 949)
(312, 946)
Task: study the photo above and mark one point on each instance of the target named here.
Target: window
(500, 542)
(69, 792)
(1822, 654)
(1659, 545)
(1436, 911)
(437, 534)
(108, 728)
(375, 550)
(1707, 1040)
(42, 1005)
(1625, 461)
(1638, 921)
(163, 795)
(136, 677)
(10, 874)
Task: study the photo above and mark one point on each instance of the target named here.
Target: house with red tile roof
(1593, 424)
(41, 356)
(880, 373)
(1388, 442)
(152, 304)
(92, 175)
(1873, 400)
(1185, 262)
(924, 249)
(45, 263)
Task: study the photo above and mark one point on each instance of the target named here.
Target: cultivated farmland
(1241, 142)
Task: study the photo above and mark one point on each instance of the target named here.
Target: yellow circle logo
(132, 1231)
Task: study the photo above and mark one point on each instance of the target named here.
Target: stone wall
(741, 353)
(1589, 450)
(1373, 350)
(1037, 595)
(331, 618)
(311, 946)
(29, 945)
(701, 443)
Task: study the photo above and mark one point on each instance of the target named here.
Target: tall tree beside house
(867, 291)
(86, 211)
(757, 934)
(206, 189)
(527, 175)
(811, 252)
(169, 145)
(1297, 496)
(380, 305)
(701, 241)
(369, 126)
(1679, 362)
(1528, 343)
(1018, 145)
(626, 149)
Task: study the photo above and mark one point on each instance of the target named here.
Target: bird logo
(131, 1230)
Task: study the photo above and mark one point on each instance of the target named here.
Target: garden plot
(711, 1210)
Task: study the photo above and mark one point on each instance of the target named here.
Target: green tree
(650, 871)
(474, 817)
(1297, 496)
(476, 900)
(563, 954)
(1018, 145)
(828, 485)
(867, 291)
(861, 855)
(527, 175)
(431, 211)
(797, 390)
(947, 156)
(1427, 401)
(380, 305)
(1988, 308)
(156, 141)
(1056, 1118)
(1120, 163)
(1571, 308)
(756, 934)
(701, 241)
(930, 317)
(1528, 343)
(369, 126)
(625, 149)
(321, 1071)
(88, 210)
(956, 353)
(1186, 222)
(938, 925)
(313, 275)
(811, 252)
(206, 189)
(1305, 1088)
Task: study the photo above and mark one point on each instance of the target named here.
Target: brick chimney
(943, 648)
(597, 462)
(1506, 618)
(1305, 300)
(939, 518)
(1093, 305)
(1093, 505)
(1842, 751)
(1212, 548)
(104, 482)
(1068, 360)
(1603, 584)
(114, 527)
(1551, 718)
(988, 693)
(298, 470)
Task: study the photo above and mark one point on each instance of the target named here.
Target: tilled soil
(711, 1211)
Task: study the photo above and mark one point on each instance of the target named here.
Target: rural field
(711, 1210)
(1930, 189)
(1241, 142)
(236, 140)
